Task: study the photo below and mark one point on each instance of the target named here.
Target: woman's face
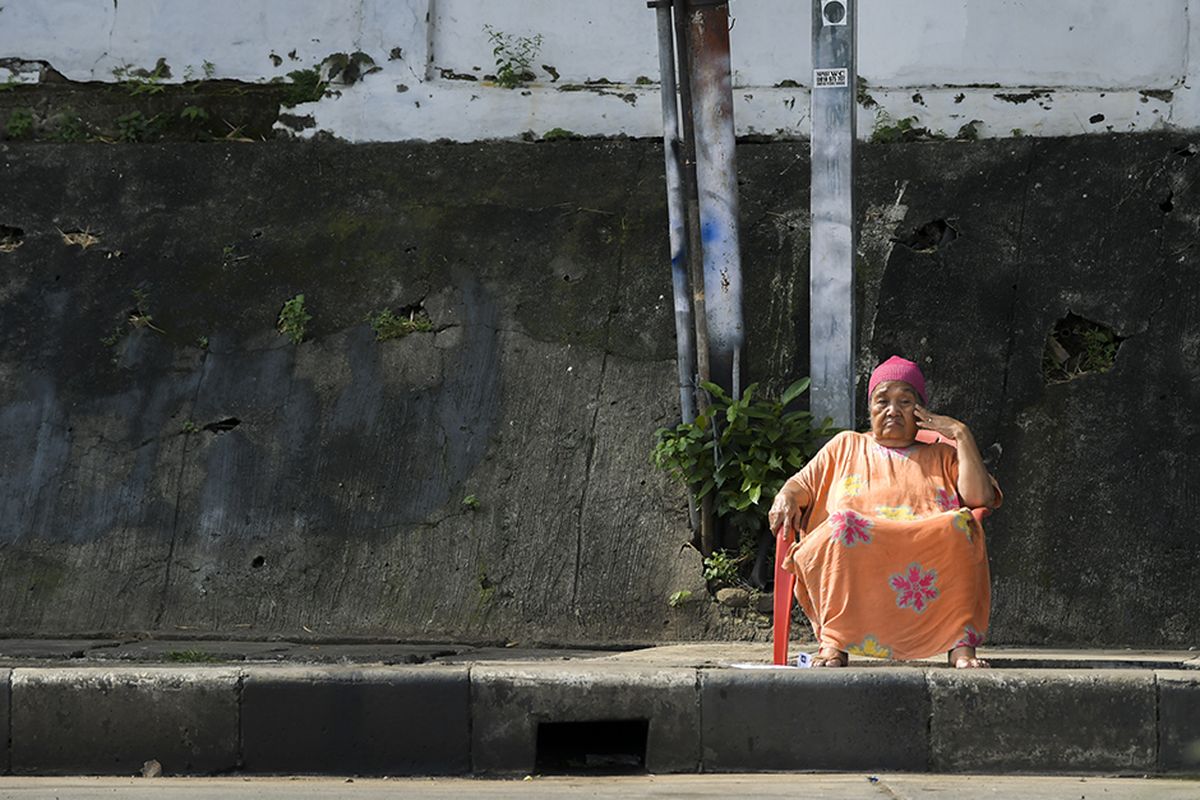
(893, 413)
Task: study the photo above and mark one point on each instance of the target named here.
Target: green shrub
(741, 451)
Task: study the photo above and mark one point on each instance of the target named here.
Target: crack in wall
(613, 309)
(1016, 290)
(162, 608)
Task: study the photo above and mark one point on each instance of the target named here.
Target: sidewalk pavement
(107, 706)
(685, 787)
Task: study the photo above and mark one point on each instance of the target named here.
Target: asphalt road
(791, 786)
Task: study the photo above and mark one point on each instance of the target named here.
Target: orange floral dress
(892, 565)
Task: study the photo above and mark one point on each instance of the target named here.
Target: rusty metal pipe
(716, 177)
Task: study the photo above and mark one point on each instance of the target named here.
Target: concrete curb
(384, 720)
(485, 718)
(110, 721)
(1043, 721)
(815, 720)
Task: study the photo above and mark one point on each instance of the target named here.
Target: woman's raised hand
(975, 487)
(940, 423)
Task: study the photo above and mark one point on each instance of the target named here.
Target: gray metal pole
(716, 175)
(831, 281)
(685, 343)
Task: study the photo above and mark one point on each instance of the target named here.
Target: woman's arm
(974, 484)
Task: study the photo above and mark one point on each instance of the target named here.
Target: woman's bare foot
(965, 658)
(830, 657)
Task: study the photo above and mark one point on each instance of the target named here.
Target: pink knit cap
(898, 369)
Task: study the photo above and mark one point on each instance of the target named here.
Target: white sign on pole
(830, 78)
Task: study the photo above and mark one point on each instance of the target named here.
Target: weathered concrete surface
(335, 502)
(1043, 720)
(111, 721)
(381, 721)
(509, 702)
(815, 720)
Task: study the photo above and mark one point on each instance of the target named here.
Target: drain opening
(600, 746)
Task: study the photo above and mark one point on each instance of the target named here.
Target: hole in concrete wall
(1168, 205)
(258, 562)
(223, 425)
(83, 239)
(599, 746)
(1078, 346)
(929, 237)
(10, 238)
(1096, 118)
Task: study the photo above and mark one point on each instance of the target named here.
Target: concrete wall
(173, 463)
(1064, 68)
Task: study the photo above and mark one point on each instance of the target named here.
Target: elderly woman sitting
(890, 561)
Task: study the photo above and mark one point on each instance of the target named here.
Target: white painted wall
(1089, 58)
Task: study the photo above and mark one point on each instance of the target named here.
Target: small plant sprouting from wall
(306, 87)
(193, 114)
(389, 325)
(68, 126)
(514, 56)
(294, 319)
(141, 81)
(1077, 346)
(137, 317)
(677, 599)
(20, 123)
(861, 94)
(556, 134)
(137, 127)
(887, 131)
(721, 569)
